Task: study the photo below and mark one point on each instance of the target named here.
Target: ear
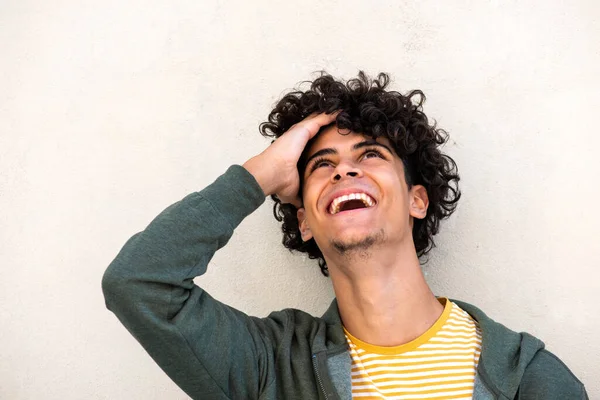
(303, 225)
(419, 201)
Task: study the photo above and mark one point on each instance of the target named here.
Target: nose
(345, 170)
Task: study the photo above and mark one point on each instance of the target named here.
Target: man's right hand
(275, 169)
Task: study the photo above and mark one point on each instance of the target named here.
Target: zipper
(316, 368)
(319, 361)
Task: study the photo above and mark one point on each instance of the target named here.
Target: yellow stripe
(446, 370)
(422, 382)
(430, 354)
(389, 383)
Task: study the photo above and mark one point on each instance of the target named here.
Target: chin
(357, 241)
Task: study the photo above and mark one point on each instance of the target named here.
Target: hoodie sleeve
(208, 348)
(547, 377)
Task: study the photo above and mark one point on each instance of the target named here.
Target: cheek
(397, 194)
(311, 192)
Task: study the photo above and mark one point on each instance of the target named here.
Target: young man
(361, 185)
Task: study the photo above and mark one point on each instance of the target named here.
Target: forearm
(149, 286)
(263, 174)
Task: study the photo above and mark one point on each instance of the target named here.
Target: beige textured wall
(112, 110)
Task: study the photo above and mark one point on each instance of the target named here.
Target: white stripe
(453, 339)
(419, 389)
(461, 318)
(458, 328)
(354, 395)
(424, 360)
(442, 394)
(412, 367)
(461, 322)
(450, 345)
(455, 334)
(444, 351)
(422, 374)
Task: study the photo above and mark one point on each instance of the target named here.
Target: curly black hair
(368, 108)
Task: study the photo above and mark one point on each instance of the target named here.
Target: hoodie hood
(504, 354)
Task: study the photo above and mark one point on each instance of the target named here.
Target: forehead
(339, 139)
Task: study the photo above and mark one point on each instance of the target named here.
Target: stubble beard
(358, 248)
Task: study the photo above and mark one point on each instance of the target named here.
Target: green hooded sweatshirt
(213, 351)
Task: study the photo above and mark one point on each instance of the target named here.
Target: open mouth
(349, 202)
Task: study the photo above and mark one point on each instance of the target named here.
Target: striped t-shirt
(439, 364)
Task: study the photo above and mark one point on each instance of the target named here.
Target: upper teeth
(334, 208)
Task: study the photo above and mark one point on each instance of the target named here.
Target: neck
(382, 296)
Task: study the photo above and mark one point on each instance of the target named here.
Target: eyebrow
(357, 146)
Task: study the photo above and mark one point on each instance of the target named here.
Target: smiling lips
(350, 202)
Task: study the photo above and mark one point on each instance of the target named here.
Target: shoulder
(291, 321)
(519, 361)
(323, 333)
(547, 376)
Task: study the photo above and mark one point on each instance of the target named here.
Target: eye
(320, 162)
(372, 153)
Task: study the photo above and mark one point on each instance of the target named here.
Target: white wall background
(111, 110)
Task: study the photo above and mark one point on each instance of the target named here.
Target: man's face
(355, 194)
